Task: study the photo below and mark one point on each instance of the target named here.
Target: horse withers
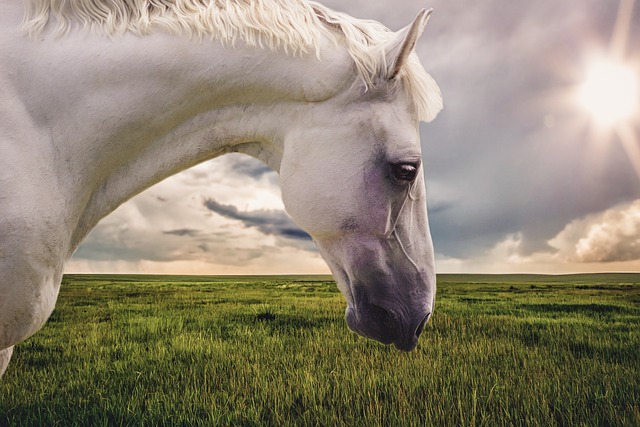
(103, 98)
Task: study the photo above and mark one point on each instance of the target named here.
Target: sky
(521, 175)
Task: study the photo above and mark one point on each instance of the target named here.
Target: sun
(609, 92)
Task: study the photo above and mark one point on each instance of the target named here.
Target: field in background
(162, 350)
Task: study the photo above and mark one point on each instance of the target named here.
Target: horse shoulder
(32, 223)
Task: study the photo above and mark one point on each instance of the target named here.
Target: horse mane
(296, 26)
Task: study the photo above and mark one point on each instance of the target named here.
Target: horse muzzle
(387, 325)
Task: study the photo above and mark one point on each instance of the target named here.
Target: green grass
(164, 350)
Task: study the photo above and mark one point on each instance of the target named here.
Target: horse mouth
(406, 345)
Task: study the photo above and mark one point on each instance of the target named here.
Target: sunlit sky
(533, 165)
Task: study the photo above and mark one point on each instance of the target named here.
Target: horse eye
(405, 171)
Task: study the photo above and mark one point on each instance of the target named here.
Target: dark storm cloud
(268, 222)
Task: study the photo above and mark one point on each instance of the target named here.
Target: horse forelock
(295, 26)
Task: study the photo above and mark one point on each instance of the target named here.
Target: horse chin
(407, 346)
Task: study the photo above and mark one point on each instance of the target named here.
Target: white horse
(101, 99)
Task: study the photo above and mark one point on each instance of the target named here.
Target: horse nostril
(420, 327)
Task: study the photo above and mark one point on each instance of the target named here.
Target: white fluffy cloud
(609, 236)
(604, 241)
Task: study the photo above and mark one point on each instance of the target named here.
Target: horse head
(352, 177)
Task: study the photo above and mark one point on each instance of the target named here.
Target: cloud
(505, 256)
(610, 236)
(183, 232)
(168, 228)
(604, 241)
(269, 222)
(253, 168)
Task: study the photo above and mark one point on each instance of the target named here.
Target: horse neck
(137, 110)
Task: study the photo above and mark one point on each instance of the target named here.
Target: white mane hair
(296, 26)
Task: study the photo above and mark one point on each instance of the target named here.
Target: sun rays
(610, 90)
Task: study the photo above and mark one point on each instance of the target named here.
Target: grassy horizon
(275, 350)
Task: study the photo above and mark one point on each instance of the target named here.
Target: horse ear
(405, 42)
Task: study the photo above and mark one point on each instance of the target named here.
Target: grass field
(164, 350)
